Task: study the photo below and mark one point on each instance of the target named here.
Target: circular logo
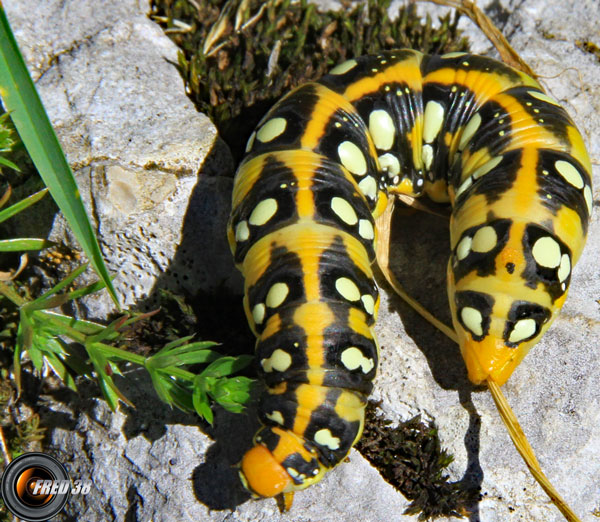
(35, 487)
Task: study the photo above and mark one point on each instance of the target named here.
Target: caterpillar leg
(424, 205)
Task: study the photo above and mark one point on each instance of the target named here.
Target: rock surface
(134, 140)
(136, 144)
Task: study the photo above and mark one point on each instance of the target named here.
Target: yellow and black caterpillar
(458, 127)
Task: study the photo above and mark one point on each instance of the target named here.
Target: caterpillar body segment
(459, 128)
(311, 300)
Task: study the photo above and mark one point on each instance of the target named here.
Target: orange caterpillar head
(278, 463)
(506, 283)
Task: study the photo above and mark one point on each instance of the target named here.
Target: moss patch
(410, 458)
(279, 45)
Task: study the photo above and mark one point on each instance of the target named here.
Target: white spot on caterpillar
(427, 156)
(464, 186)
(523, 329)
(250, 143)
(486, 167)
(347, 289)
(324, 437)
(242, 232)
(279, 361)
(352, 158)
(484, 240)
(453, 55)
(264, 211)
(275, 416)
(472, 319)
(432, 120)
(464, 247)
(587, 194)
(546, 252)
(277, 294)
(382, 129)
(258, 313)
(570, 173)
(369, 303)
(295, 474)
(390, 164)
(469, 131)
(343, 68)
(352, 358)
(368, 187)
(365, 229)
(543, 97)
(344, 210)
(271, 129)
(565, 268)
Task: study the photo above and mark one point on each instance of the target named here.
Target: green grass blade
(21, 205)
(29, 117)
(8, 163)
(17, 245)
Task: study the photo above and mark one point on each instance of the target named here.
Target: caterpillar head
(506, 282)
(279, 462)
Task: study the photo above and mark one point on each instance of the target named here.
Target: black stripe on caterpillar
(459, 128)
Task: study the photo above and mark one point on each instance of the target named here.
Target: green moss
(410, 458)
(278, 46)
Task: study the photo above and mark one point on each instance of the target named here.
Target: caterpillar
(320, 168)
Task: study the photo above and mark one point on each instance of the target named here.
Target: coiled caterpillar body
(319, 168)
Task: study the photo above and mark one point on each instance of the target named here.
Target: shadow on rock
(419, 252)
(216, 481)
(473, 477)
(203, 272)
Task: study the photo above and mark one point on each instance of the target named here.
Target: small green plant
(7, 142)
(34, 328)
(44, 334)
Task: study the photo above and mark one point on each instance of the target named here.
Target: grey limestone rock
(136, 144)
